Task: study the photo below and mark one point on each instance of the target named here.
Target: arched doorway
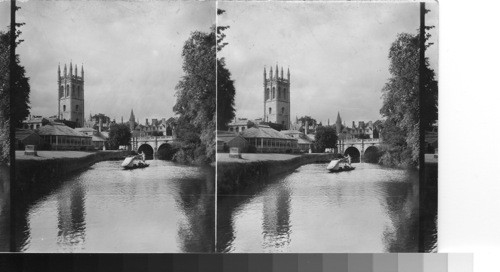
(148, 151)
(166, 152)
(354, 153)
(372, 154)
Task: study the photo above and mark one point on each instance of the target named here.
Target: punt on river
(339, 165)
(133, 162)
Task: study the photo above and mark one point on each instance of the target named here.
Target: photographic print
(327, 127)
(115, 126)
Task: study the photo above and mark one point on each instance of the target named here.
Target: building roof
(303, 141)
(264, 132)
(291, 131)
(85, 129)
(59, 129)
(226, 138)
(22, 134)
(36, 120)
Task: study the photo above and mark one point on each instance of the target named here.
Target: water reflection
(163, 208)
(4, 208)
(71, 217)
(371, 209)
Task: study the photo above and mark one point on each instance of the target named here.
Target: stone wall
(235, 176)
(28, 172)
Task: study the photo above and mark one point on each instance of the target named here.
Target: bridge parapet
(153, 138)
(359, 141)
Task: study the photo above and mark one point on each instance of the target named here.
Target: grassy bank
(53, 164)
(236, 174)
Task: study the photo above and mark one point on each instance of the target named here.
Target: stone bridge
(357, 148)
(150, 145)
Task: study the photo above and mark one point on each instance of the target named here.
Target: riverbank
(235, 174)
(54, 164)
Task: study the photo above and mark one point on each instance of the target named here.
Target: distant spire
(82, 71)
(339, 120)
(282, 72)
(271, 72)
(65, 71)
(71, 68)
(276, 70)
(265, 75)
(76, 69)
(58, 71)
(288, 73)
(132, 116)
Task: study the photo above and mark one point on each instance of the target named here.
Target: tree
(11, 115)
(119, 134)
(308, 119)
(326, 137)
(196, 103)
(225, 85)
(401, 101)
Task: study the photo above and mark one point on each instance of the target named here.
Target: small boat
(133, 162)
(339, 165)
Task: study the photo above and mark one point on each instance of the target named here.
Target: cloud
(337, 53)
(131, 52)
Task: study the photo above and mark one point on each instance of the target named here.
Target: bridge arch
(166, 151)
(148, 151)
(371, 155)
(354, 153)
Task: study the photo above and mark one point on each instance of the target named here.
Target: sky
(337, 53)
(130, 51)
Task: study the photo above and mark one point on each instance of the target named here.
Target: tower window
(61, 91)
(274, 92)
(267, 93)
(284, 93)
(67, 90)
(77, 107)
(283, 110)
(64, 107)
(270, 110)
(279, 92)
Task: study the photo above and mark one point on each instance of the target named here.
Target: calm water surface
(163, 208)
(370, 209)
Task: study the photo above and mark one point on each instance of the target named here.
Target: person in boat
(348, 159)
(143, 156)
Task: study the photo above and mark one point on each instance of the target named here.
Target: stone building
(363, 130)
(267, 140)
(277, 98)
(227, 140)
(71, 95)
(62, 137)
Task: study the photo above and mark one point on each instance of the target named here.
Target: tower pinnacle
(265, 75)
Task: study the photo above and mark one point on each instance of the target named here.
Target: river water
(370, 209)
(166, 207)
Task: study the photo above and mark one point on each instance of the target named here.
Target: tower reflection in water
(276, 220)
(71, 217)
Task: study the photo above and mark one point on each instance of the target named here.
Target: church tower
(277, 97)
(131, 121)
(71, 95)
(338, 124)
